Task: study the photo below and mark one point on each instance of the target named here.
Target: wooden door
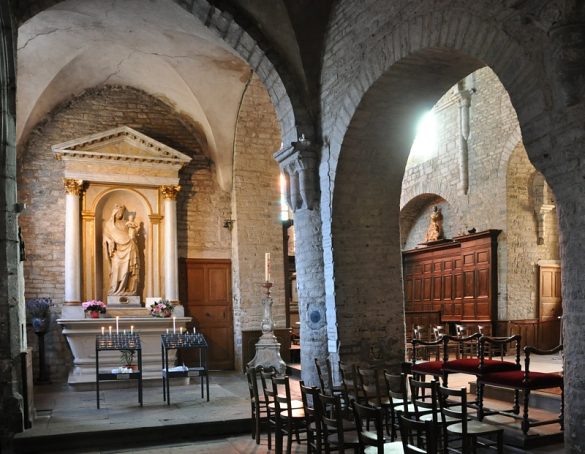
(207, 297)
(550, 305)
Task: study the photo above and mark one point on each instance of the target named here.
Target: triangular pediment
(121, 155)
(122, 143)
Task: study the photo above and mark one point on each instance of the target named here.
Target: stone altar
(80, 335)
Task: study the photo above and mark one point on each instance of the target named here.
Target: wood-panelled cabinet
(456, 277)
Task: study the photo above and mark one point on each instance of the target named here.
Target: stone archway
(369, 138)
(370, 133)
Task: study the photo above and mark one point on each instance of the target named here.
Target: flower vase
(94, 314)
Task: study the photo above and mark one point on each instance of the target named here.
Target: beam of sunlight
(424, 146)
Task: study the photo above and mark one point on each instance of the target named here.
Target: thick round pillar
(72, 241)
(569, 192)
(311, 292)
(171, 266)
(300, 164)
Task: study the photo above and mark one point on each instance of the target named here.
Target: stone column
(74, 188)
(171, 265)
(466, 89)
(300, 164)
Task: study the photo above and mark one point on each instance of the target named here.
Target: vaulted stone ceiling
(155, 46)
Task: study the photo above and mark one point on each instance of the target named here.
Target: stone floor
(69, 422)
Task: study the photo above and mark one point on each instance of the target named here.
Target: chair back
(330, 375)
(489, 344)
(348, 381)
(331, 416)
(267, 387)
(364, 416)
(466, 345)
(282, 399)
(320, 375)
(424, 396)
(418, 437)
(369, 385)
(397, 392)
(453, 405)
(312, 407)
(252, 377)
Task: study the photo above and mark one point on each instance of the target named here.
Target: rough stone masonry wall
(257, 228)
(524, 252)
(200, 205)
(493, 137)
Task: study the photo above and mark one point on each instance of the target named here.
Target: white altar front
(81, 333)
(126, 174)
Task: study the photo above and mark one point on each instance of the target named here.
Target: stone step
(135, 437)
(538, 399)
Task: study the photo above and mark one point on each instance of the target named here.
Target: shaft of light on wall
(283, 204)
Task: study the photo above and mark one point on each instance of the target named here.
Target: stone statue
(435, 230)
(121, 248)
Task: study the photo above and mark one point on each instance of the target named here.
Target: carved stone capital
(73, 186)
(299, 163)
(170, 191)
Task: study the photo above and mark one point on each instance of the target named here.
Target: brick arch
(246, 40)
(402, 72)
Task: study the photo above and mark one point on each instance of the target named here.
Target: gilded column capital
(73, 186)
(300, 162)
(170, 191)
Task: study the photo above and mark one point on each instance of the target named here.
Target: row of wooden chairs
(444, 410)
(327, 422)
(494, 372)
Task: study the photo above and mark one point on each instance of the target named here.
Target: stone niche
(120, 238)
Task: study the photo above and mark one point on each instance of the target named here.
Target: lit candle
(103, 330)
(267, 267)
(167, 331)
(124, 332)
(117, 321)
(110, 328)
(181, 330)
(174, 325)
(131, 329)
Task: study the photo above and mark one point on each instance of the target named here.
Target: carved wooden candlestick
(268, 347)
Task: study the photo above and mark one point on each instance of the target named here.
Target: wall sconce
(228, 224)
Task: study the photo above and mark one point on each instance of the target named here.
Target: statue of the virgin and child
(121, 249)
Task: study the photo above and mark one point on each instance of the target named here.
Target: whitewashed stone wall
(256, 210)
(524, 252)
(498, 196)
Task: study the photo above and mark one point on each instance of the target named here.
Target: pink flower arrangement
(162, 308)
(94, 306)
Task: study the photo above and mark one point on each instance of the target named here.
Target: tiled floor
(65, 413)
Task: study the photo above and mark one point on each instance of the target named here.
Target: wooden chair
(424, 397)
(373, 441)
(481, 365)
(336, 437)
(472, 433)
(269, 397)
(528, 381)
(258, 404)
(434, 368)
(369, 384)
(397, 392)
(327, 387)
(311, 405)
(289, 420)
(349, 383)
(418, 437)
